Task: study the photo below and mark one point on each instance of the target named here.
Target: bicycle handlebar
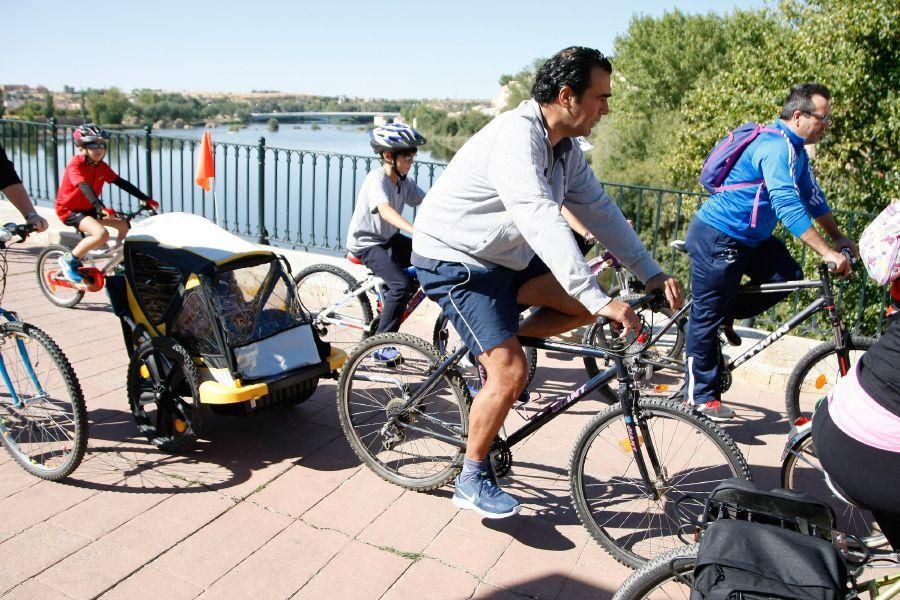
(131, 215)
(846, 252)
(12, 229)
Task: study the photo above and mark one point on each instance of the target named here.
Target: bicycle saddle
(352, 258)
(678, 245)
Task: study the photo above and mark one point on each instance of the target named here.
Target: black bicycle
(631, 462)
(658, 366)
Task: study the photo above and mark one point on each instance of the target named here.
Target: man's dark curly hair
(572, 67)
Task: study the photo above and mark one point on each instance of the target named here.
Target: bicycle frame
(824, 301)
(375, 284)
(626, 393)
(115, 254)
(26, 361)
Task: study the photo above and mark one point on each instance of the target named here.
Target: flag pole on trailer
(206, 171)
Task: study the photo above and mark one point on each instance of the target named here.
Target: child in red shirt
(78, 200)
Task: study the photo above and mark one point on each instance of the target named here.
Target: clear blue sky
(388, 49)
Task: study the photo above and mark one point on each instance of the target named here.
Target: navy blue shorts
(480, 303)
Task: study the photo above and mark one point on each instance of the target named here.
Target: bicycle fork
(29, 369)
(639, 435)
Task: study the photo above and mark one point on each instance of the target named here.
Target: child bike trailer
(210, 322)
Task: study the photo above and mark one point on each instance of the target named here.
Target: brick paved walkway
(277, 506)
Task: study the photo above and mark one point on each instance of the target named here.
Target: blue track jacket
(790, 193)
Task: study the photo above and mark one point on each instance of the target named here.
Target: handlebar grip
(846, 252)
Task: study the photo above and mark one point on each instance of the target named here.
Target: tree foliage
(659, 64)
(106, 106)
(852, 46)
(446, 132)
(519, 85)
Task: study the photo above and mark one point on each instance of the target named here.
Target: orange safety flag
(206, 167)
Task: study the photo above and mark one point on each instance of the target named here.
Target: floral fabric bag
(879, 246)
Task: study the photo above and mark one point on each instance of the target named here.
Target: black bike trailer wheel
(164, 394)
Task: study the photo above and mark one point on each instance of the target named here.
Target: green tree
(107, 106)
(658, 64)
(519, 84)
(852, 47)
(49, 109)
(2, 103)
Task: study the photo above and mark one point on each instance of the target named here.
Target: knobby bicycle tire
(608, 491)
(48, 434)
(670, 574)
(445, 339)
(163, 387)
(319, 287)
(63, 297)
(809, 477)
(816, 373)
(371, 394)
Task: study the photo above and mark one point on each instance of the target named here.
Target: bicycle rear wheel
(402, 444)
(319, 288)
(801, 471)
(658, 369)
(669, 575)
(613, 500)
(817, 372)
(59, 294)
(43, 420)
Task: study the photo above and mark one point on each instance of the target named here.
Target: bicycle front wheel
(60, 293)
(342, 324)
(633, 519)
(802, 472)
(669, 575)
(817, 372)
(43, 420)
(420, 446)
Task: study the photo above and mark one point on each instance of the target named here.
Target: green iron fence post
(148, 154)
(54, 159)
(261, 194)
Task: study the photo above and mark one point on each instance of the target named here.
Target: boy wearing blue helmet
(374, 236)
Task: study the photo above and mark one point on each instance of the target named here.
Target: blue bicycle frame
(26, 360)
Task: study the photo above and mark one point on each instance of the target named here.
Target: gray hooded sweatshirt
(498, 203)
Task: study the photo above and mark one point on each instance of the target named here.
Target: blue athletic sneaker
(483, 496)
(68, 264)
(388, 356)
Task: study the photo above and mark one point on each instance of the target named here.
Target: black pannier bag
(767, 545)
(739, 560)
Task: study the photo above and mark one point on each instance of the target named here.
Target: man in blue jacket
(731, 236)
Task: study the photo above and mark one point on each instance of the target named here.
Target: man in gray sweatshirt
(489, 236)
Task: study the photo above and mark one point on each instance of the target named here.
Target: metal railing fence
(304, 199)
